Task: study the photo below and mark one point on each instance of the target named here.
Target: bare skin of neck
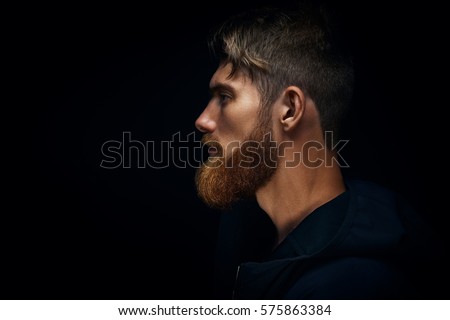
(293, 193)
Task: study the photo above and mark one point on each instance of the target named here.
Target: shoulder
(373, 192)
(352, 278)
(377, 212)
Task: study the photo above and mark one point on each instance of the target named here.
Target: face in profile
(241, 156)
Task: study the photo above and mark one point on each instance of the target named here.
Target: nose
(205, 122)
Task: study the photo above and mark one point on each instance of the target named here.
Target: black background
(73, 230)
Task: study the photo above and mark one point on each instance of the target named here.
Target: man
(281, 90)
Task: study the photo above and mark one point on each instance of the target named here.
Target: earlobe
(293, 107)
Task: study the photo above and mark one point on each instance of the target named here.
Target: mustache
(208, 137)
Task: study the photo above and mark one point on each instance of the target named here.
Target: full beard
(221, 181)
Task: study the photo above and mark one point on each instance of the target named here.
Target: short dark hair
(278, 48)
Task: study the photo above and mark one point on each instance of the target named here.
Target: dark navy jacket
(367, 243)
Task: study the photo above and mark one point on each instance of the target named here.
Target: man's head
(273, 64)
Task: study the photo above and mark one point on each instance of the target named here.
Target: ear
(293, 107)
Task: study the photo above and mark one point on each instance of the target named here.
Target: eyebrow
(222, 87)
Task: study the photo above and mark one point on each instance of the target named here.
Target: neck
(293, 193)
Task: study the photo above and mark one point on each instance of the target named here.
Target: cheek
(233, 132)
(238, 121)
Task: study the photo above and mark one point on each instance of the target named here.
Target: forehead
(239, 81)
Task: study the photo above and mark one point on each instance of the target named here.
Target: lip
(213, 151)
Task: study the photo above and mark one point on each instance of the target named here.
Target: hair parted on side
(277, 48)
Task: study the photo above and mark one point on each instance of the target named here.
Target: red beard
(221, 181)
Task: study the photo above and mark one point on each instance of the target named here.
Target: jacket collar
(316, 231)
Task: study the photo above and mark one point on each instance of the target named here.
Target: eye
(223, 98)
